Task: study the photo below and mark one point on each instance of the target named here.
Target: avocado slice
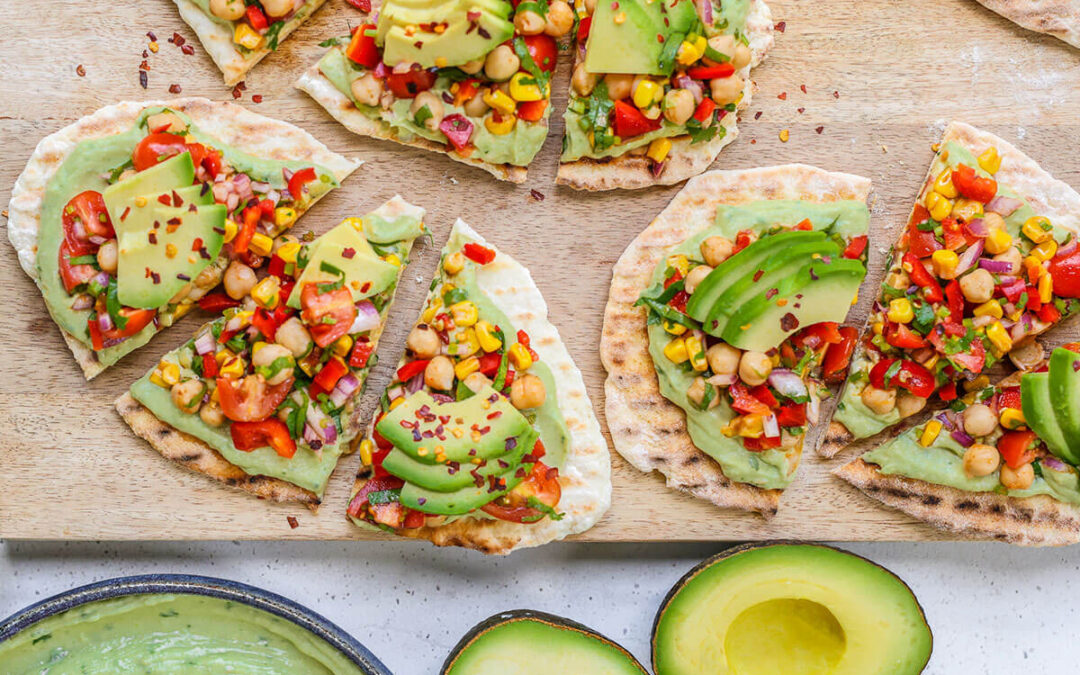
(176, 172)
(137, 217)
(396, 220)
(817, 609)
(768, 274)
(818, 292)
(526, 642)
(1065, 395)
(463, 40)
(450, 478)
(630, 45)
(345, 249)
(1038, 409)
(739, 265)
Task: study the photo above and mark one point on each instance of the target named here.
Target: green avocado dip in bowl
(176, 623)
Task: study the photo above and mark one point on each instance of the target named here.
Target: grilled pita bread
(1060, 18)
(648, 430)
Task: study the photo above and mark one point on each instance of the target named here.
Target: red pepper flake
(801, 110)
(80, 71)
(757, 115)
(348, 253)
(143, 80)
(780, 26)
(174, 89)
(188, 50)
(236, 91)
(537, 195)
(144, 65)
(257, 98)
(145, 54)
(362, 5)
(836, 94)
(753, 141)
(660, 38)
(819, 129)
(803, 88)
(150, 34)
(177, 39)
(293, 522)
(782, 96)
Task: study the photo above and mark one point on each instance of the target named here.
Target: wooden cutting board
(864, 87)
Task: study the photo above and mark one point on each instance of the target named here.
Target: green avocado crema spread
(132, 226)
(273, 384)
(738, 354)
(971, 278)
(653, 71)
(257, 24)
(471, 424)
(170, 633)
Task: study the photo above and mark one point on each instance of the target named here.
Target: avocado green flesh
(345, 249)
(165, 634)
(160, 179)
(770, 469)
(1065, 395)
(1039, 413)
(533, 647)
(438, 478)
(461, 41)
(631, 45)
(516, 148)
(83, 169)
(791, 610)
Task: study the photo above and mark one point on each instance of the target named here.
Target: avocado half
(526, 642)
(790, 608)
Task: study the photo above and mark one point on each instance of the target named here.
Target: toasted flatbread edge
(1047, 195)
(684, 160)
(1059, 18)
(217, 40)
(231, 124)
(647, 429)
(586, 476)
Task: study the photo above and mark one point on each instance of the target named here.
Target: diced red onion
(945, 421)
(259, 186)
(83, 301)
(78, 229)
(961, 437)
(221, 191)
(102, 279)
(1003, 206)
(787, 383)
(234, 324)
(723, 380)
(415, 383)
(381, 71)
(1022, 327)
(321, 423)
(274, 196)
(396, 391)
(691, 85)
(771, 427)
(1054, 463)
(977, 228)
(367, 317)
(311, 437)
(344, 389)
(242, 185)
(402, 68)
(98, 239)
(705, 11)
(813, 408)
(458, 129)
(105, 322)
(232, 201)
(205, 343)
(995, 266)
(657, 168)
(969, 257)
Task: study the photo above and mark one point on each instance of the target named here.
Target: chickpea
(501, 63)
(981, 460)
(742, 56)
(1017, 479)
(477, 106)
(472, 67)
(277, 8)
(528, 22)
(433, 104)
(992, 220)
(423, 341)
(618, 85)
(239, 280)
(726, 90)
(898, 278)
(560, 18)
(724, 43)
(1014, 257)
(477, 381)
(187, 395)
(584, 81)
(979, 420)
(697, 392)
(294, 337)
(754, 368)
(208, 278)
(723, 358)
(527, 391)
(229, 10)
(881, 401)
(716, 250)
(211, 414)
(678, 106)
(367, 89)
(696, 276)
(107, 256)
(1027, 355)
(978, 286)
(266, 356)
(439, 373)
(909, 404)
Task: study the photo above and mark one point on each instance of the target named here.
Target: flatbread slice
(219, 36)
(648, 429)
(1026, 191)
(223, 123)
(572, 443)
(200, 444)
(1060, 18)
(686, 158)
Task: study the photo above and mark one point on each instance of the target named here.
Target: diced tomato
(489, 363)
(256, 18)
(217, 302)
(630, 122)
(1016, 448)
(955, 298)
(677, 276)
(413, 519)
(242, 240)
(745, 402)
(1009, 398)
(817, 335)
(97, 340)
(1065, 270)
(212, 162)
(360, 500)
(679, 300)
(297, 182)
(900, 336)
(523, 338)
(481, 255)
(134, 320)
(1034, 301)
(948, 392)
(762, 393)
(331, 372)
(543, 50)
(264, 322)
(763, 443)
(362, 48)
(250, 399)
(87, 207)
(542, 484)
(532, 111)
(743, 239)
(583, 29)
(73, 276)
(410, 83)
(328, 315)
(912, 376)
(276, 267)
(792, 415)
(1048, 313)
(361, 352)
(266, 206)
(711, 72)
(923, 278)
(838, 357)
(248, 436)
(856, 247)
(972, 186)
(412, 369)
(156, 148)
(704, 110)
(974, 359)
(209, 366)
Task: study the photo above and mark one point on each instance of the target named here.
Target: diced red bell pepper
(489, 363)
(974, 359)
(704, 110)
(298, 181)
(467, 91)
(583, 29)
(523, 338)
(745, 402)
(856, 247)
(630, 122)
(679, 300)
(413, 519)
(266, 206)
(900, 336)
(792, 415)
(923, 278)
(256, 18)
(762, 393)
(1016, 448)
(955, 298)
(838, 357)
(252, 215)
(763, 443)
(921, 243)
(1048, 313)
(332, 371)
(264, 322)
(481, 255)
(276, 267)
(209, 366)
(711, 72)
(817, 335)
(804, 225)
(1034, 300)
(97, 340)
(677, 276)
(412, 369)
(973, 186)
(410, 83)
(361, 352)
(912, 376)
(532, 111)
(247, 436)
(362, 48)
(948, 392)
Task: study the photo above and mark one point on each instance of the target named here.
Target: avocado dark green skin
(530, 614)
(736, 550)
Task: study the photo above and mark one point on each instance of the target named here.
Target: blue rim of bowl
(188, 584)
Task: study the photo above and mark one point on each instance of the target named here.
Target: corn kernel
(1033, 268)
(267, 293)
(900, 311)
(646, 93)
(498, 100)
(485, 335)
(523, 87)
(454, 263)
(938, 206)
(166, 374)
(990, 160)
(680, 263)
(659, 149)
(879, 327)
(751, 426)
(1038, 229)
(945, 262)
(931, 362)
(465, 343)
(980, 382)
(930, 433)
(520, 356)
(989, 308)
(396, 402)
(246, 36)
(1045, 251)
(284, 216)
(673, 328)
(288, 251)
(366, 448)
(261, 244)
(999, 338)
(1046, 288)
(233, 367)
(688, 53)
(223, 355)
(429, 313)
(342, 345)
(696, 351)
(784, 135)
(466, 367)
(393, 259)
(1012, 419)
(619, 18)
(944, 185)
(501, 126)
(998, 241)
(230, 229)
(675, 351)
(967, 209)
(170, 250)
(465, 313)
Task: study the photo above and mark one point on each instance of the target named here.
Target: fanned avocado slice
(451, 477)
(1039, 413)
(1065, 395)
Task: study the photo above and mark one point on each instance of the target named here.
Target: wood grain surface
(881, 80)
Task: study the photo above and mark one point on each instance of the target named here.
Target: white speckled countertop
(993, 608)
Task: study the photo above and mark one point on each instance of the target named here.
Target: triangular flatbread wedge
(238, 34)
(979, 470)
(265, 398)
(981, 269)
(813, 224)
(85, 170)
(1060, 18)
(669, 117)
(486, 437)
